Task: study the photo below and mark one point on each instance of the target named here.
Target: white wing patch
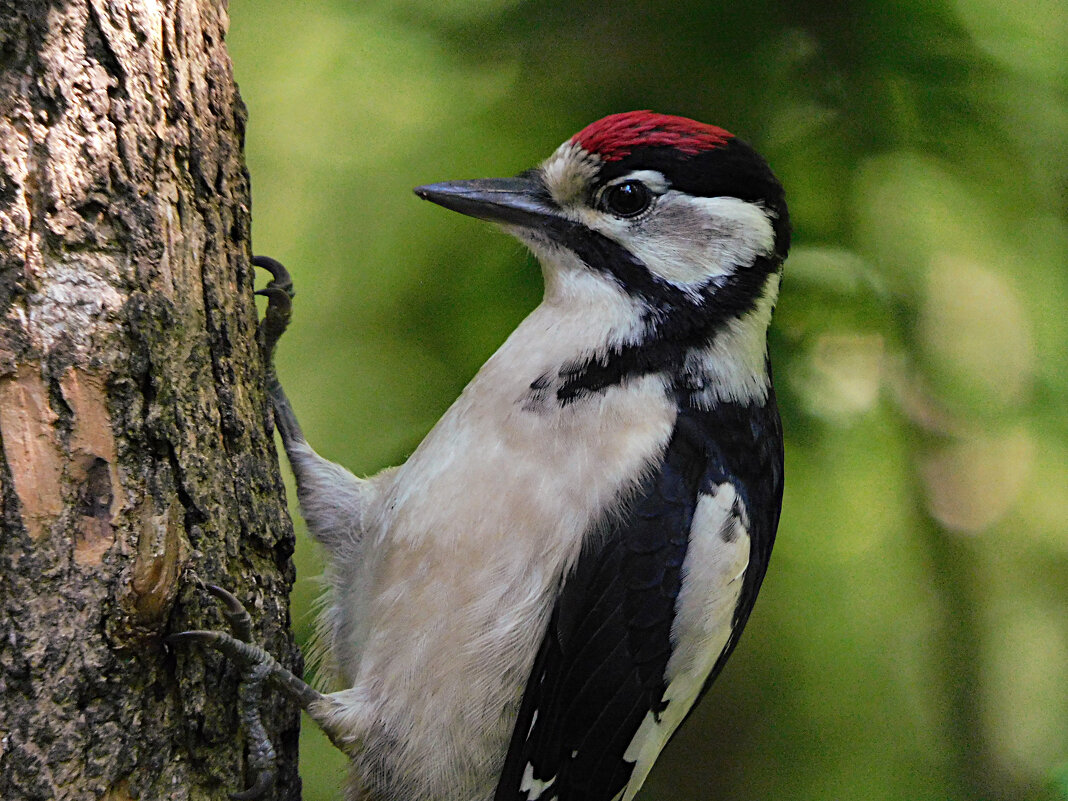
(712, 574)
(533, 787)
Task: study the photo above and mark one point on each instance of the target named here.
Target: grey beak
(518, 201)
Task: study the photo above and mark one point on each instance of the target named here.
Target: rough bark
(135, 459)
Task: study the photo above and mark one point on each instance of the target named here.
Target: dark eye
(627, 199)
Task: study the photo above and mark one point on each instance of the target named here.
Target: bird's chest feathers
(487, 516)
(511, 467)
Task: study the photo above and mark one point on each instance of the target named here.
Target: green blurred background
(911, 641)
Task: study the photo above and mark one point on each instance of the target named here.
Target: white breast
(464, 552)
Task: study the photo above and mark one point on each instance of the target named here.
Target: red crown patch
(616, 136)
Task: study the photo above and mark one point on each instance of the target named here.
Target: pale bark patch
(33, 455)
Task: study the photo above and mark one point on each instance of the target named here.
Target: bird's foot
(256, 666)
(279, 293)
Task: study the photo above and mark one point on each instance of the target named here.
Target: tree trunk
(135, 459)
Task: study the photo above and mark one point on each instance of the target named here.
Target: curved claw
(279, 274)
(279, 293)
(236, 615)
(257, 667)
(264, 780)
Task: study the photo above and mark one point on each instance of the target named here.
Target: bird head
(683, 218)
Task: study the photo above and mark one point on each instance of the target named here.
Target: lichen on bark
(135, 457)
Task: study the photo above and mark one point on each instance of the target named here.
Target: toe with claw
(257, 667)
(279, 293)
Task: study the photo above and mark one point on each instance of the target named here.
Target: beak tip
(508, 201)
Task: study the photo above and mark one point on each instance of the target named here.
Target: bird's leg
(256, 666)
(331, 498)
(279, 293)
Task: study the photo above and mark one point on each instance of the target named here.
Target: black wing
(600, 669)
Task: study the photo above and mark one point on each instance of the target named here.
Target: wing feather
(600, 681)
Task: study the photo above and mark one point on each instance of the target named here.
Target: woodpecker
(532, 603)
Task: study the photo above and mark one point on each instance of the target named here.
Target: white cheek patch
(688, 240)
(731, 366)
